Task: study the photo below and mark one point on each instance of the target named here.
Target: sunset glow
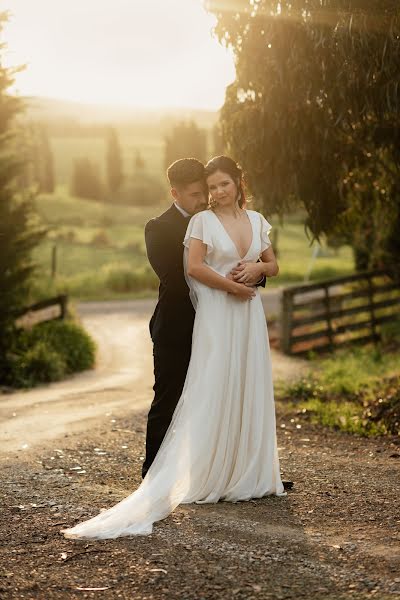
(123, 52)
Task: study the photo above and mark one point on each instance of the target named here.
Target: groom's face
(191, 197)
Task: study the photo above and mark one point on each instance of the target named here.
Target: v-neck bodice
(222, 254)
(231, 239)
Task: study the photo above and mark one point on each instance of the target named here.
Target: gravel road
(70, 449)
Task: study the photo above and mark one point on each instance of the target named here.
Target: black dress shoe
(287, 485)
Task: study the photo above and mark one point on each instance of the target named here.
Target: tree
(218, 142)
(139, 162)
(34, 145)
(86, 182)
(185, 139)
(20, 230)
(46, 180)
(315, 106)
(114, 162)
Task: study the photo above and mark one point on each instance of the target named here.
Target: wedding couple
(211, 432)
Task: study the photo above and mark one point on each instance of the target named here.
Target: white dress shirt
(182, 210)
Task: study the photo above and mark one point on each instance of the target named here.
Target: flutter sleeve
(199, 228)
(265, 229)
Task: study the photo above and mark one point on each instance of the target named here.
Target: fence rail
(42, 311)
(337, 312)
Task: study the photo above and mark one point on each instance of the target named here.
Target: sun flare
(121, 52)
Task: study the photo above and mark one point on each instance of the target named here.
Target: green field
(100, 250)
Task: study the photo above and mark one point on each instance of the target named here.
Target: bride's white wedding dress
(221, 444)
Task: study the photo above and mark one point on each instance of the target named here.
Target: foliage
(86, 182)
(75, 222)
(371, 221)
(113, 162)
(141, 189)
(33, 145)
(20, 231)
(185, 140)
(357, 391)
(122, 278)
(47, 352)
(313, 115)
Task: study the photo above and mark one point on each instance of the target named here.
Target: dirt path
(336, 534)
(122, 380)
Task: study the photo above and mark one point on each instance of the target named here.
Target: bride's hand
(243, 292)
(248, 273)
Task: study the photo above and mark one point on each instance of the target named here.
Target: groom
(171, 325)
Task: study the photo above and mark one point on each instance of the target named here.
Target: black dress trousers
(170, 367)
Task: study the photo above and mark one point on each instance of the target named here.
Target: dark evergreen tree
(20, 232)
(185, 140)
(86, 182)
(139, 162)
(33, 146)
(46, 183)
(114, 162)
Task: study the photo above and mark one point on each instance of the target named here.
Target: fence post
(286, 320)
(63, 305)
(371, 308)
(53, 261)
(328, 315)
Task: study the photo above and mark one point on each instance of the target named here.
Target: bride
(221, 443)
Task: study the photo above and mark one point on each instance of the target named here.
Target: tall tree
(185, 139)
(86, 182)
(114, 161)
(316, 105)
(20, 231)
(46, 181)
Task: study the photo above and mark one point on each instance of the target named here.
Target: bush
(101, 238)
(47, 352)
(120, 278)
(70, 340)
(40, 364)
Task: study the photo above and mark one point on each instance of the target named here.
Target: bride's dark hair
(229, 166)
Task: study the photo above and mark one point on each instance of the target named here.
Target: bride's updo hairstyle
(230, 167)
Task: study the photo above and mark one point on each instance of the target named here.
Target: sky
(147, 53)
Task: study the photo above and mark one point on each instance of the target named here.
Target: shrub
(40, 364)
(47, 352)
(120, 278)
(70, 340)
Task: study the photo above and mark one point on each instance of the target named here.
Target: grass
(94, 239)
(356, 390)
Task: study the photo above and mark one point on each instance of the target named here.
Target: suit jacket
(173, 318)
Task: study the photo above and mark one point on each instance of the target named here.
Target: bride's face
(223, 189)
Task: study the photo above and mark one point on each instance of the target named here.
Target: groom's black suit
(171, 325)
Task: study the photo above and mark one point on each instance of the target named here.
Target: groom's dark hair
(185, 171)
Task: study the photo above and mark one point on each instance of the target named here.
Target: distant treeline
(117, 165)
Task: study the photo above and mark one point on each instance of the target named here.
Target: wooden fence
(45, 310)
(335, 312)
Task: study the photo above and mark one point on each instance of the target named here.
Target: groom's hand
(248, 273)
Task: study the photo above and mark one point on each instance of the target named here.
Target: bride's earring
(211, 202)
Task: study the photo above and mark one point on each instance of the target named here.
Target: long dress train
(221, 443)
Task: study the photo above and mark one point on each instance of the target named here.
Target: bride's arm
(200, 271)
(268, 266)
